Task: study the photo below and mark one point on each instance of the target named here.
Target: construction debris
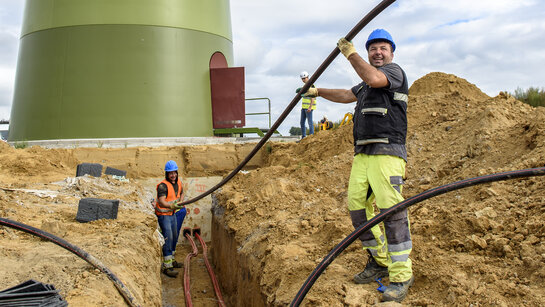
(32, 293)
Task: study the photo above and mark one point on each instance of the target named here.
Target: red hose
(211, 272)
(187, 284)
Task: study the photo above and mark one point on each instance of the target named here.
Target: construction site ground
(479, 246)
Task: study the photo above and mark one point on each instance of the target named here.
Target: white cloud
(495, 44)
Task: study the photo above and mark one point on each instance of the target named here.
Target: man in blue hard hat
(378, 168)
(169, 215)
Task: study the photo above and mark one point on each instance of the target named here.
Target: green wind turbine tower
(118, 69)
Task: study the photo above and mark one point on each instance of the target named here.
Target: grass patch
(20, 144)
(533, 96)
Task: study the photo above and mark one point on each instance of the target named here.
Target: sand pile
(35, 164)
(482, 245)
(124, 245)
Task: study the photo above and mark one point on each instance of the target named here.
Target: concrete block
(90, 209)
(116, 172)
(93, 169)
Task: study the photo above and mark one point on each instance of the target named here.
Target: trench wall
(193, 161)
(238, 277)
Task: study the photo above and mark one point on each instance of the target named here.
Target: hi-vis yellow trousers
(380, 178)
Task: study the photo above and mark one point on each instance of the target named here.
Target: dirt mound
(35, 164)
(438, 83)
(481, 245)
(313, 149)
(4, 145)
(124, 245)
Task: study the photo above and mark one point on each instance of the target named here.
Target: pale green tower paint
(116, 69)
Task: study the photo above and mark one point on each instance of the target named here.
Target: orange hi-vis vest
(171, 197)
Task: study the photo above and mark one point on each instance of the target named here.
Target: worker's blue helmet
(171, 166)
(380, 35)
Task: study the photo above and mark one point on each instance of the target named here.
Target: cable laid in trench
(540, 171)
(121, 288)
(215, 283)
(187, 279)
(357, 28)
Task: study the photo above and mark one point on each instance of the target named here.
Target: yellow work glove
(312, 92)
(346, 47)
(178, 206)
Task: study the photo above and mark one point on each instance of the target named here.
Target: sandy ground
(38, 188)
(482, 245)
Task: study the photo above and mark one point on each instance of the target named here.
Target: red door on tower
(228, 97)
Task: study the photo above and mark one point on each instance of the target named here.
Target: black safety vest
(381, 115)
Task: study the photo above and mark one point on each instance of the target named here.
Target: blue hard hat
(171, 166)
(380, 35)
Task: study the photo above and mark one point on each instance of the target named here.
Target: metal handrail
(262, 113)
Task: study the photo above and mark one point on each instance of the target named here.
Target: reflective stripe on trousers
(378, 178)
(168, 262)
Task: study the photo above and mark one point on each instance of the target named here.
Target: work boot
(372, 272)
(170, 272)
(396, 291)
(176, 265)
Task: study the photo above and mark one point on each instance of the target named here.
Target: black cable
(540, 171)
(372, 14)
(77, 251)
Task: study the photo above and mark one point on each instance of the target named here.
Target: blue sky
(495, 44)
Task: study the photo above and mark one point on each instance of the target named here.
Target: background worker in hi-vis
(380, 129)
(308, 105)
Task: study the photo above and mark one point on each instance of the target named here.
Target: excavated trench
(127, 245)
(238, 277)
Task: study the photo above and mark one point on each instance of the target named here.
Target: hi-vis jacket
(306, 102)
(171, 198)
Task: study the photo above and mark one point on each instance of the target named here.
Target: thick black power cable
(540, 171)
(372, 14)
(77, 251)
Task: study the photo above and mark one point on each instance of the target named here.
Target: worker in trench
(170, 215)
(378, 168)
